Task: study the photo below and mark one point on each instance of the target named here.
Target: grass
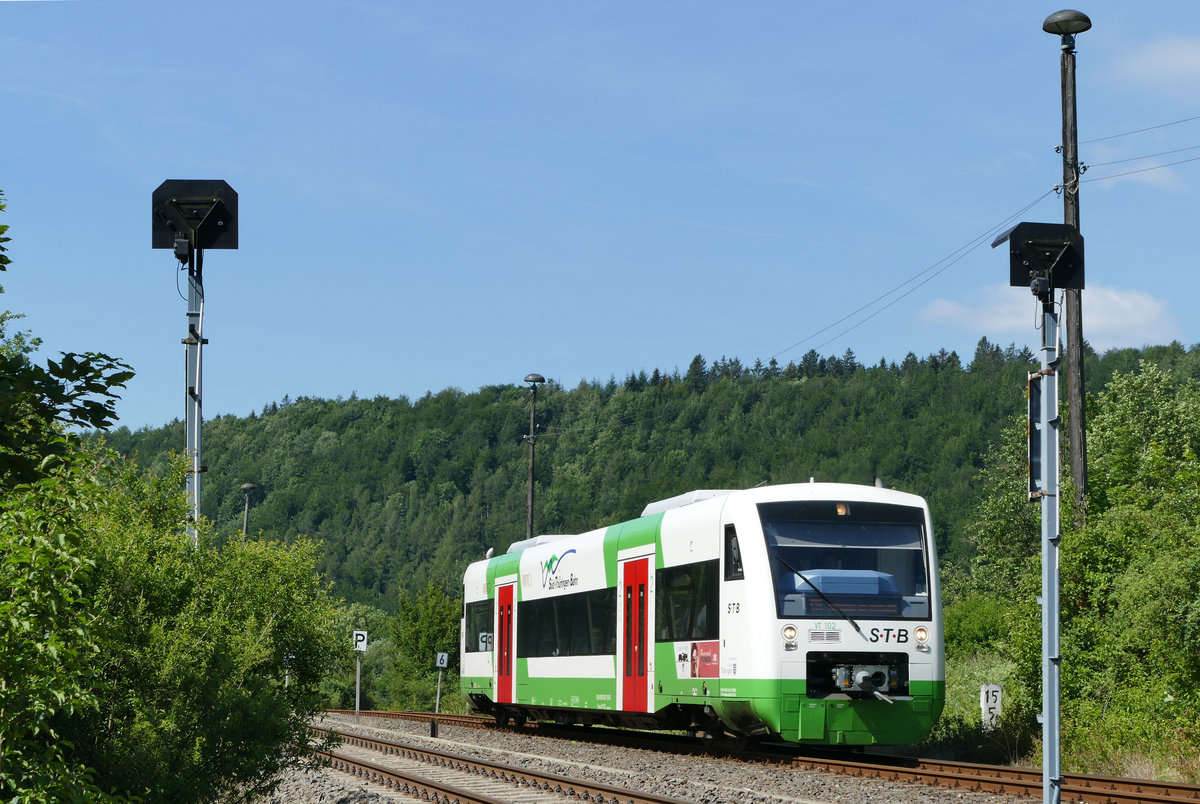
(1118, 746)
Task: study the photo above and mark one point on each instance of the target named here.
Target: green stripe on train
(779, 704)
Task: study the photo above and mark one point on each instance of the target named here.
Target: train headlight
(922, 634)
(789, 632)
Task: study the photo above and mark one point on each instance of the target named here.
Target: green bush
(975, 624)
(48, 645)
(190, 681)
(1130, 585)
(959, 733)
(136, 663)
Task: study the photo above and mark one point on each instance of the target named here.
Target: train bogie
(804, 612)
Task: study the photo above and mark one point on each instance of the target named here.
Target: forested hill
(403, 492)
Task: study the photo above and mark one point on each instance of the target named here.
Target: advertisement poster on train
(698, 659)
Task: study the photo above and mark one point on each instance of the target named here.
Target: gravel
(322, 786)
(704, 780)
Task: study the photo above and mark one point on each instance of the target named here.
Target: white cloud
(995, 309)
(1117, 317)
(1167, 64)
(1112, 317)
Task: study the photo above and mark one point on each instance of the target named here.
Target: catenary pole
(1051, 660)
(194, 410)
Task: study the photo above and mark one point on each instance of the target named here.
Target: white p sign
(360, 641)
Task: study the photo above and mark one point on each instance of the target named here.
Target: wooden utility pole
(1076, 424)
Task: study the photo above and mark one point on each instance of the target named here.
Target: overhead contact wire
(1141, 130)
(1143, 170)
(949, 260)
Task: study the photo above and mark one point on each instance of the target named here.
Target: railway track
(470, 721)
(444, 776)
(1012, 781)
(954, 775)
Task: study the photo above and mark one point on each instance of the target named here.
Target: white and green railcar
(805, 612)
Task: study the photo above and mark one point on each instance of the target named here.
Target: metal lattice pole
(1051, 660)
(194, 412)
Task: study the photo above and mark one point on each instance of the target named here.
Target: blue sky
(451, 194)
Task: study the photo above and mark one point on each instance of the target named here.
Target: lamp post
(533, 380)
(246, 489)
(1065, 24)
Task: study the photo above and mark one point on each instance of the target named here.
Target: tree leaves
(4, 259)
(399, 491)
(1129, 572)
(36, 402)
(131, 660)
(47, 640)
(182, 695)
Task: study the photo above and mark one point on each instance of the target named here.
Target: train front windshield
(847, 559)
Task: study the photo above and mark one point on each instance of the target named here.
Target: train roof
(681, 500)
(700, 495)
(518, 546)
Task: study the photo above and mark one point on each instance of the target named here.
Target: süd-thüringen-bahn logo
(550, 573)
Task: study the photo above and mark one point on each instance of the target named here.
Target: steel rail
(1083, 788)
(522, 777)
(472, 721)
(403, 782)
(1012, 781)
(1076, 786)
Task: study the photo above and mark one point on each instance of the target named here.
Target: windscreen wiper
(821, 594)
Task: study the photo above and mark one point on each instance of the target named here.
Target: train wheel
(735, 743)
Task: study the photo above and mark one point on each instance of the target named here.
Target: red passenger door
(504, 644)
(635, 600)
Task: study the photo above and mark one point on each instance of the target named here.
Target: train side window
(733, 555)
(685, 597)
(535, 636)
(479, 626)
(582, 624)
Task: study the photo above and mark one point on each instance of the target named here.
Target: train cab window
(733, 555)
(478, 626)
(687, 602)
(851, 560)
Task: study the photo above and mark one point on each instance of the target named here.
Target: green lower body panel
(844, 721)
(747, 706)
(475, 684)
(568, 693)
